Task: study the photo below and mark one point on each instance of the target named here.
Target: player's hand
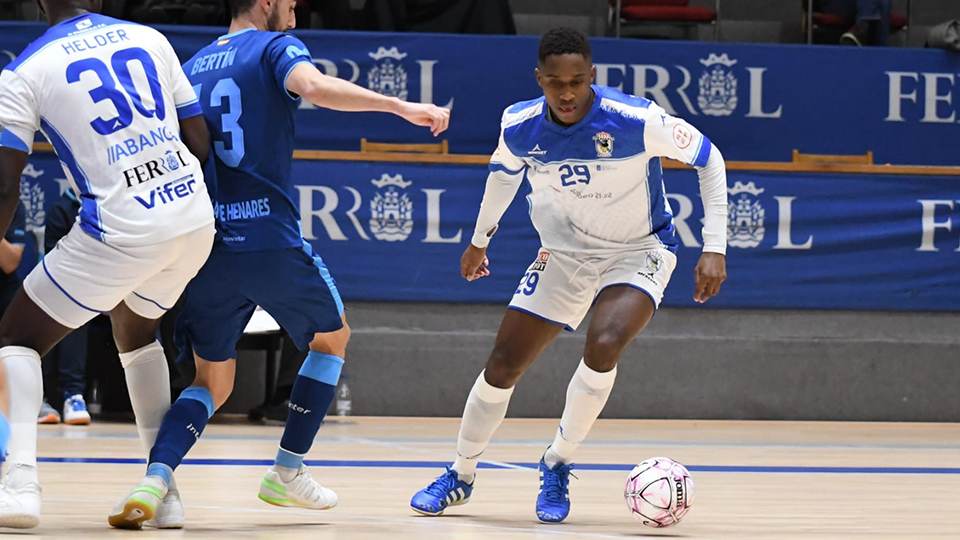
(711, 272)
(426, 115)
(474, 263)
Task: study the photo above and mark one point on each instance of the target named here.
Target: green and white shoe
(140, 505)
(301, 492)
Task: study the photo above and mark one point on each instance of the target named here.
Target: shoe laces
(556, 482)
(444, 484)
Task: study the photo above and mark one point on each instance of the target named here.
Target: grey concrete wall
(421, 360)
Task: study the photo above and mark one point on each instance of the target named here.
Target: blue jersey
(240, 80)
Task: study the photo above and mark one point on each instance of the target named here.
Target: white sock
(25, 383)
(586, 395)
(485, 409)
(148, 382)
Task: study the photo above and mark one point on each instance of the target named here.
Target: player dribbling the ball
(592, 157)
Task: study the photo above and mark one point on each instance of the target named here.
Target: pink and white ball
(659, 492)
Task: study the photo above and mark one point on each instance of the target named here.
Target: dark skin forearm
(196, 136)
(12, 163)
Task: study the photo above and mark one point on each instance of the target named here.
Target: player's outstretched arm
(307, 81)
(196, 136)
(12, 162)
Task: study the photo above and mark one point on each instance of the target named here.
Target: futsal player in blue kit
(249, 83)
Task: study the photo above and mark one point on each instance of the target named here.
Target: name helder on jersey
(108, 95)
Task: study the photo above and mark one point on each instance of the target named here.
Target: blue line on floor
(581, 466)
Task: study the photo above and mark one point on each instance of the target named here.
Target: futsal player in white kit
(592, 157)
(115, 104)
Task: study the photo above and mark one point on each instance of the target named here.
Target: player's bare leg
(621, 312)
(521, 338)
(26, 334)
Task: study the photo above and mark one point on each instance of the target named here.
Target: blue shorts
(292, 285)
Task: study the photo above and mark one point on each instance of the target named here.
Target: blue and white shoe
(553, 503)
(446, 490)
(75, 410)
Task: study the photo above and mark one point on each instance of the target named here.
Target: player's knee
(217, 378)
(334, 343)
(603, 350)
(219, 390)
(503, 370)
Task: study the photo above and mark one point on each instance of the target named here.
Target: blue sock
(4, 437)
(181, 428)
(310, 399)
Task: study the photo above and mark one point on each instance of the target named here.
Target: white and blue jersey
(240, 79)
(108, 95)
(596, 186)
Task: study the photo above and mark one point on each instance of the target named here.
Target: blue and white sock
(310, 399)
(181, 429)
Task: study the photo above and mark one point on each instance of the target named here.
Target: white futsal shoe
(301, 492)
(140, 505)
(169, 514)
(20, 498)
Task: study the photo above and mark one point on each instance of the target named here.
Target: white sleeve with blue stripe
(506, 175)
(668, 136)
(19, 118)
(184, 96)
(672, 137)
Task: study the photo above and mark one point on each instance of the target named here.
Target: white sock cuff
(11, 351)
(595, 379)
(143, 354)
(489, 393)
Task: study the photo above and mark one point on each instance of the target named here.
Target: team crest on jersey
(388, 76)
(541, 263)
(391, 211)
(172, 162)
(654, 261)
(718, 86)
(32, 197)
(604, 144)
(745, 216)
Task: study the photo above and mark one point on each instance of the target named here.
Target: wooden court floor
(754, 480)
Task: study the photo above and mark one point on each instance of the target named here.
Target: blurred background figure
(871, 20)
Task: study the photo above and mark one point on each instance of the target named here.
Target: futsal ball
(659, 492)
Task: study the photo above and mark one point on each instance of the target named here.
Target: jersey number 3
(229, 120)
(120, 62)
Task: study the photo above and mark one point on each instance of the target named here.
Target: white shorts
(83, 277)
(560, 287)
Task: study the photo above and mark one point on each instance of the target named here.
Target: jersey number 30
(229, 120)
(120, 62)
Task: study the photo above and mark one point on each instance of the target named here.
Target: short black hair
(564, 41)
(237, 7)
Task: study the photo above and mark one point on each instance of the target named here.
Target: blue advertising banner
(756, 102)
(829, 241)
(395, 232)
